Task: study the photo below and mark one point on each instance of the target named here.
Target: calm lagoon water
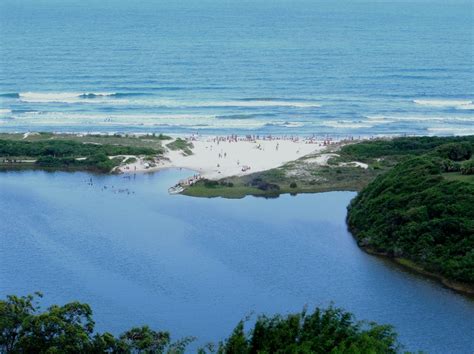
(198, 266)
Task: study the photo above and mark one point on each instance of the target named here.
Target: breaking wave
(414, 118)
(245, 116)
(10, 95)
(459, 104)
(284, 124)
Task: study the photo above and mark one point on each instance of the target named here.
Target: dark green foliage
(264, 185)
(24, 328)
(69, 329)
(401, 146)
(164, 137)
(181, 144)
(210, 183)
(293, 185)
(456, 151)
(66, 148)
(70, 154)
(161, 136)
(213, 184)
(413, 212)
(97, 162)
(450, 166)
(467, 167)
(324, 331)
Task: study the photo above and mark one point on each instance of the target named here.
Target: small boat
(176, 189)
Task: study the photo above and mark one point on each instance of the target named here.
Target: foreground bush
(25, 328)
(324, 331)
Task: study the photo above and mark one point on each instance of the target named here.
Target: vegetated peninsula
(95, 153)
(416, 200)
(421, 213)
(342, 166)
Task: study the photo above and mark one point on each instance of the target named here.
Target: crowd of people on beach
(190, 180)
(258, 140)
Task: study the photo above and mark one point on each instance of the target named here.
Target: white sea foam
(452, 130)
(192, 121)
(64, 97)
(124, 99)
(259, 103)
(414, 118)
(284, 124)
(444, 103)
(347, 124)
(4, 111)
(469, 106)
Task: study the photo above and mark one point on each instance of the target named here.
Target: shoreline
(215, 158)
(459, 287)
(234, 167)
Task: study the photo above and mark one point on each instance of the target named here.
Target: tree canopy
(26, 328)
(330, 330)
(416, 213)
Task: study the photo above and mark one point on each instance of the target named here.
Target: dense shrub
(415, 213)
(264, 185)
(403, 146)
(323, 331)
(66, 148)
(467, 168)
(210, 183)
(456, 151)
(70, 154)
(450, 165)
(25, 328)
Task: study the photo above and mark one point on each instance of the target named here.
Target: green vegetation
(130, 160)
(149, 140)
(398, 148)
(323, 331)
(58, 148)
(181, 144)
(26, 328)
(58, 153)
(467, 167)
(339, 174)
(422, 211)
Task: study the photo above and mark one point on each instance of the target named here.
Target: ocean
(248, 67)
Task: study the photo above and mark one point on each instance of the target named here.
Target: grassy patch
(143, 141)
(181, 144)
(456, 176)
(66, 151)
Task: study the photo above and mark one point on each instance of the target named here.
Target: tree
(467, 167)
(70, 329)
(330, 330)
(14, 312)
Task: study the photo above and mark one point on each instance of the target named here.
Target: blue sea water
(216, 67)
(197, 266)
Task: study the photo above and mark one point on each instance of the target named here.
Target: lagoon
(197, 266)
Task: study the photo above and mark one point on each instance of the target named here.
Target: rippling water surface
(198, 266)
(215, 67)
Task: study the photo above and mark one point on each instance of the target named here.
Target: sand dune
(215, 158)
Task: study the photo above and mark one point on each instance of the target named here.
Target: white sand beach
(219, 157)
